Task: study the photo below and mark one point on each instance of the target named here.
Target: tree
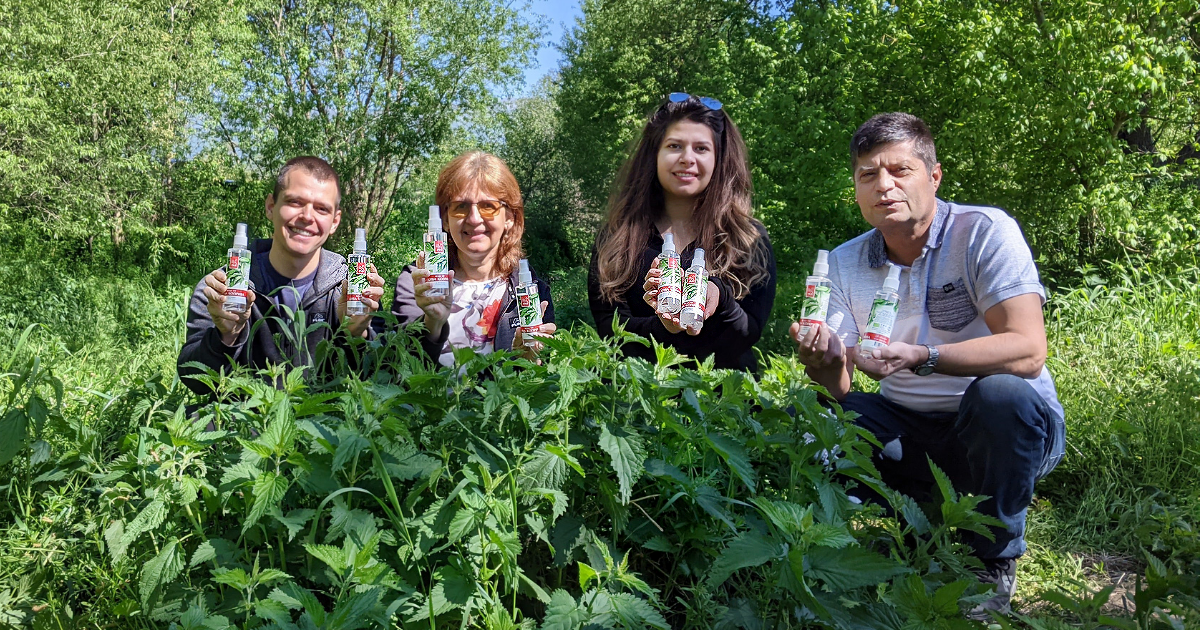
(372, 87)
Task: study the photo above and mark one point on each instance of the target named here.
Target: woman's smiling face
(476, 237)
(686, 159)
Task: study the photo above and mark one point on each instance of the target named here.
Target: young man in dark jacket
(289, 272)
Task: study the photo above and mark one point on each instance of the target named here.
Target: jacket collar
(877, 248)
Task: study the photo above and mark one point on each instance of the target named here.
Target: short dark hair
(315, 166)
(890, 128)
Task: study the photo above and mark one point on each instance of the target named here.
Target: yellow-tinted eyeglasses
(487, 209)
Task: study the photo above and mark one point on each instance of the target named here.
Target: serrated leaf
(237, 578)
(852, 567)
(586, 575)
(12, 434)
(544, 470)
(351, 613)
(294, 521)
(149, 518)
(747, 550)
(735, 457)
(562, 613)
(635, 612)
(335, 557)
(203, 553)
(825, 535)
(945, 599)
(159, 571)
(269, 489)
(624, 447)
(350, 444)
(112, 539)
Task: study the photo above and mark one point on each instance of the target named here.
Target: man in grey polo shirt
(963, 380)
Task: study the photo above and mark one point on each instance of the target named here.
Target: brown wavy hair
(723, 216)
(492, 176)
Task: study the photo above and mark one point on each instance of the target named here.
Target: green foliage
(1076, 117)
(587, 490)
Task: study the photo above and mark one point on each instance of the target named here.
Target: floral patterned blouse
(474, 315)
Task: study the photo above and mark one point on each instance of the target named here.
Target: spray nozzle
(523, 274)
(668, 243)
(822, 266)
(360, 240)
(698, 257)
(435, 219)
(893, 278)
(239, 238)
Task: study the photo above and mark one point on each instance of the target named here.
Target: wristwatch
(926, 368)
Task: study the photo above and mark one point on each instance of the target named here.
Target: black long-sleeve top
(729, 333)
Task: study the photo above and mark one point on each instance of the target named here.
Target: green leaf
(852, 567)
(335, 557)
(203, 553)
(12, 434)
(624, 447)
(635, 612)
(747, 550)
(544, 470)
(563, 613)
(351, 613)
(149, 518)
(825, 535)
(159, 571)
(269, 489)
(586, 575)
(735, 456)
(237, 578)
(294, 521)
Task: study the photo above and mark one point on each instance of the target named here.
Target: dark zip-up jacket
(405, 308)
(729, 333)
(256, 345)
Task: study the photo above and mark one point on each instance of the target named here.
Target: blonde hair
(492, 176)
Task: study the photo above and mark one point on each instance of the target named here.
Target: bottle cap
(698, 257)
(523, 273)
(239, 239)
(822, 266)
(360, 240)
(435, 219)
(893, 278)
(668, 243)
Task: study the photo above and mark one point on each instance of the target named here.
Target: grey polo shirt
(974, 259)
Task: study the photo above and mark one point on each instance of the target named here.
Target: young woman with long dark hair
(689, 177)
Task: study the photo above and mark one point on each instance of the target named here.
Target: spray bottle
(358, 266)
(437, 262)
(878, 331)
(237, 273)
(670, 293)
(529, 304)
(695, 293)
(814, 306)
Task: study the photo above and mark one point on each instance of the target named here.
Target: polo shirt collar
(877, 249)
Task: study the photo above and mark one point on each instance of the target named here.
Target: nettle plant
(589, 490)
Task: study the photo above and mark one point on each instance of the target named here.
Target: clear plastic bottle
(437, 262)
(878, 331)
(670, 291)
(529, 304)
(814, 306)
(237, 273)
(695, 293)
(358, 265)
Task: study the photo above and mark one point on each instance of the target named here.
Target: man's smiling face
(894, 187)
(305, 214)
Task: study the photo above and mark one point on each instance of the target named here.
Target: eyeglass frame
(707, 101)
(475, 204)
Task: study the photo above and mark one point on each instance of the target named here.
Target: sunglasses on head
(707, 101)
(487, 209)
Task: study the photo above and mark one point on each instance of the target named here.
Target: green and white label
(878, 331)
(528, 307)
(814, 306)
(359, 267)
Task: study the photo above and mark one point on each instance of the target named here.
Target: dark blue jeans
(1003, 438)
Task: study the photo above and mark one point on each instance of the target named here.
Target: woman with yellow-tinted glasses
(484, 216)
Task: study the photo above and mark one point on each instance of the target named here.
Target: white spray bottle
(237, 273)
(437, 261)
(878, 331)
(695, 293)
(814, 306)
(670, 293)
(358, 265)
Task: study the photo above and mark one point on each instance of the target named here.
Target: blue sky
(561, 16)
